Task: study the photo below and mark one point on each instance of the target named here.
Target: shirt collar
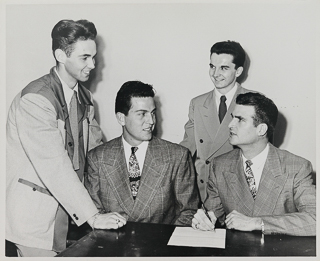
(67, 91)
(127, 146)
(229, 95)
(260, 159)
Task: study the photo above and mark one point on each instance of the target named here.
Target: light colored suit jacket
(205, 136)
(40, 174)
(167, 193)
(286, 198)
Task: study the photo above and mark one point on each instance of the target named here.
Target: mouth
(231, 134)
(148, 129)
(87, 73)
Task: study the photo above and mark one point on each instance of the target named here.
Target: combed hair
(265, 109)
(232, 48)
(129, 90)
(67, 32)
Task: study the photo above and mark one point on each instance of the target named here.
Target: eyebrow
(237, 117)
(142, 110)
(87, 55)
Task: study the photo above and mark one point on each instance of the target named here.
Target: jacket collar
(151, 177)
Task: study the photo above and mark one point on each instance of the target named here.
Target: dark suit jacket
(167, 194)
(205, 136)
(286, 198)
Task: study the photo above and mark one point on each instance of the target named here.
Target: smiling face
(223, 72)
(78, 65)
(140, 121)
(243, 133)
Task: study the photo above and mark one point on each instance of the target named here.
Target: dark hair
(232, 48)
(265, 110)
(129, 90)
(67, 32)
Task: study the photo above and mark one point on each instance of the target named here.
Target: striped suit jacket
(286, 198)
(167, 194)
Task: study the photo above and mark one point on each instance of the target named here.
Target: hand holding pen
(204, 220)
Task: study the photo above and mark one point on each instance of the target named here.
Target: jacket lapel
(151, 178)
(85, 101)
(209, 115)
(217, 131)
(116, 172)
(56, 87)
(236, 181)
(272, 181)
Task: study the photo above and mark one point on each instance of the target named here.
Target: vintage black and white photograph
(160, 128)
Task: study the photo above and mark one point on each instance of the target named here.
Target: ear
(239, 71)
(60, 55)
(262, 129)
(121, 118)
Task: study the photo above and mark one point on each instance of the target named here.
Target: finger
(195, 225)
(204, 222)
(121, 218)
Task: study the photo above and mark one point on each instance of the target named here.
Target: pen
(206, 212)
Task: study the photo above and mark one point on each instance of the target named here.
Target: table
(147, 240)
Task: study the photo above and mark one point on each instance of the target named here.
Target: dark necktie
(74, 129)
(222, 107)
(134, 172)
(250, 179)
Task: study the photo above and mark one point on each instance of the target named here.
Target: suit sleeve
(43, 143)
(95, 133)
(92, 180)
(303, 221)
(213, 201)
(187, 195)
(189, 136)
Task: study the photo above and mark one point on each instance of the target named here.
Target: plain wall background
(168, 46)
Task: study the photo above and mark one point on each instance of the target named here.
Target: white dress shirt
(229, 95)
(258, 163)
(67, 91)
(140, 153)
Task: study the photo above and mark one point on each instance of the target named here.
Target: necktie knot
(134, 149)
(223, 98)
(249, 163)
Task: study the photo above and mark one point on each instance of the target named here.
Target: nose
(216, 72)
(151, 119)
(91, 63)
(231, 124)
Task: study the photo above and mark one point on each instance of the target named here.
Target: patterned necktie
(74, 129)
(134, 172)
(250, 179)
(222, 108)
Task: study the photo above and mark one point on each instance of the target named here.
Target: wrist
(262, 226)
(93, 219)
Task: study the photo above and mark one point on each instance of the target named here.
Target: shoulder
(112, 146)
(287, 158)
(39, 86)
(167, 145)
(231, 155)
(201, 98)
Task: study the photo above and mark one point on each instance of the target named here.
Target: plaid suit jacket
(167, 194)
(286, 198)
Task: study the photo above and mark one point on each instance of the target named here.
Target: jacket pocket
(35, 187)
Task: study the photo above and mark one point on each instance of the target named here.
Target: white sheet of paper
(187, 236)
